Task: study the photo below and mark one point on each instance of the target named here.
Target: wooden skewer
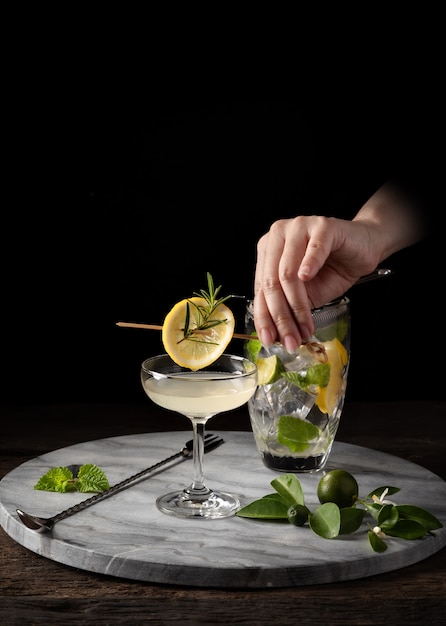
(378, 273)
(158, 327)
(315, 347)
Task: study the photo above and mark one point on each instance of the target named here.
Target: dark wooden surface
(35, 590)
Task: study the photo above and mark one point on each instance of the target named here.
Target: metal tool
(44, 524)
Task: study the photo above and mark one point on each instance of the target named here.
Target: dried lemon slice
(190, 342)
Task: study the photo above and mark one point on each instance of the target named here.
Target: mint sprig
(89, 478)
(389, 519)
(315, 375)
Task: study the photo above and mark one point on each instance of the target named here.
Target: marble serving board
(126, 536)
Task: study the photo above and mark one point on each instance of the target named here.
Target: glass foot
(183, 504)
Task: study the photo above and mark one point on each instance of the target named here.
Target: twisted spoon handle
(185, 452)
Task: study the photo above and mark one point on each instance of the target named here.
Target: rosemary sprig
(203, 313)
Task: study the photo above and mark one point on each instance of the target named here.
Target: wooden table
(36, 590)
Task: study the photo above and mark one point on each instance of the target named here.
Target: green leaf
(315, 375)
(265, 508)
(92, 478)
(416, 513)
(373, 509)
(289, 488)
(380, 490)
(338, 330)
(351, 520)
(253, 347)
(295, 433)
(406, 529)
(204, 313)
(274, 496)
(89, 478)
(376, 542)
(57, 479)
(326, 520)
(388, 516)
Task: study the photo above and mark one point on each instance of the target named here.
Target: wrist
(392, 221)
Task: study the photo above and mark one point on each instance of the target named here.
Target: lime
(269, 369)
(338, 486)
(298, 514)
(199, 347)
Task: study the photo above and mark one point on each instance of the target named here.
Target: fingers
(282, 309)
(304, 263)
(319, 246)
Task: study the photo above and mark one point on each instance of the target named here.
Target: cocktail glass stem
(198, 488)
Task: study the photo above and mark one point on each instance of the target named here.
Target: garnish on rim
(197, 330)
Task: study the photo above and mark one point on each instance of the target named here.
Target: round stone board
(126, 536)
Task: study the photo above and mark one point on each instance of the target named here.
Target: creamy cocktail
(199, 395)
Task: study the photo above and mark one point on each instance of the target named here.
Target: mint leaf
(315, 375)
(319, 374)
(92, 478)
(338, 330)
(253, 347)
(57, 479)
(295, 433)
(89, 478)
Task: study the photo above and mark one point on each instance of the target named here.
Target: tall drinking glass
(199, 395)
(295, 418)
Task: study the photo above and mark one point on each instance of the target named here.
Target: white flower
(377, 530)
(381, 498)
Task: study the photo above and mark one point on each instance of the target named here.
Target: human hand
(303, 263)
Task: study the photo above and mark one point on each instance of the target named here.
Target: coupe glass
(225, 385)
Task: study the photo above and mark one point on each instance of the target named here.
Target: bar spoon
(44, 524)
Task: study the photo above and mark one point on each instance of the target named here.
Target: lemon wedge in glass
(337, 358)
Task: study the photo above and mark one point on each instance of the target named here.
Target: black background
(121, 194)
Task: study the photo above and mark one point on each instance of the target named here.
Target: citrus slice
(328, 396)
(269, 369)
(201, 347)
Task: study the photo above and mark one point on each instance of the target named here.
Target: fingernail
(265, 337)
(306, 335)
(290, 344)
(304, 271)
